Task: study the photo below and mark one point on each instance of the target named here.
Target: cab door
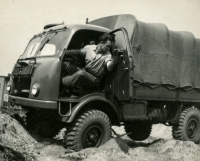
(120, 79)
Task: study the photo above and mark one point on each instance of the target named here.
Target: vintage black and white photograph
(99, 80)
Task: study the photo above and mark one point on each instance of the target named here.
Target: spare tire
(138, 131)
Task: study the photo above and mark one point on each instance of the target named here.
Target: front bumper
(32, 103)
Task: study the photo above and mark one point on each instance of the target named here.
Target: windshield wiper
(33, 47)
(47, 41)
(44, 44)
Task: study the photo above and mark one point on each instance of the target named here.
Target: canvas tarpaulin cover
(170, 58)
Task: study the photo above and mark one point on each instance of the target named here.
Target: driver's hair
(106, 36)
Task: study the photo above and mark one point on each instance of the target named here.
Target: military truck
(157, 80)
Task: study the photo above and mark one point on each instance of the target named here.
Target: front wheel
(91, 129)
(41, 124)
(188, 128)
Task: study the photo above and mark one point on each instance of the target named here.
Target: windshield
(47, 44)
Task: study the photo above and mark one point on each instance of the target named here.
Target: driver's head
(106, 42)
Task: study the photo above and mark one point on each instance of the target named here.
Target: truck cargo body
(167, 68)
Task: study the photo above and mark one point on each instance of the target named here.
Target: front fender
(96, 100)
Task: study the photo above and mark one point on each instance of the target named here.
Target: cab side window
(82, 38)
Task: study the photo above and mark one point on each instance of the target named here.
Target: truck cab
(35, 83)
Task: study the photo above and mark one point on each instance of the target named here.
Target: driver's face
(105, 47)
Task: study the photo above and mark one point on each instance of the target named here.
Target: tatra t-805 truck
(156, 80)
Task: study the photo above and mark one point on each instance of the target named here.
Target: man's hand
(114, 59)
(116, 54)
(116, 51)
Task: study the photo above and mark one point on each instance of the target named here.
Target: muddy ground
(16, 144)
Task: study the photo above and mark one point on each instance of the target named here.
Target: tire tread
(71, 140)
(178, 130)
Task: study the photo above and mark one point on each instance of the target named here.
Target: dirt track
(17, 144)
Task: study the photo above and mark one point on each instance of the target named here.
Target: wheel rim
(92, 137)
(192, 128)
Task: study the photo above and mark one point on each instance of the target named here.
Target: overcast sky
(21, 19)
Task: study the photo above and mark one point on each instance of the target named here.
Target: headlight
(35, 89)
(9, 84)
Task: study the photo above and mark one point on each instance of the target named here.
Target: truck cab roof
(76, 27)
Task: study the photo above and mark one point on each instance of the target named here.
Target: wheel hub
(192, 128)
(92, 137)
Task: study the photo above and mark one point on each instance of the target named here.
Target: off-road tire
(19, 118)
(47, 127)
(138, 131)
(31, 121)
(91, 128)
(188, 128)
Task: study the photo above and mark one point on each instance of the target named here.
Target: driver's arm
(111, 63)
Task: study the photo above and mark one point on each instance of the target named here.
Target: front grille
(16, 71)
(22, 86)
(23, 71)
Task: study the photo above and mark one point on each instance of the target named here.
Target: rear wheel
(91, 129)
(188, 128)
(138, 130)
